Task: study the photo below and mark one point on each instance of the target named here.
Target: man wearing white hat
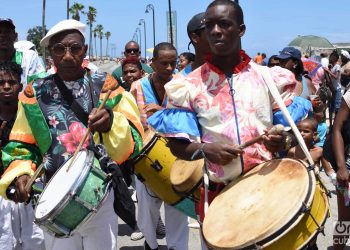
(48, 124)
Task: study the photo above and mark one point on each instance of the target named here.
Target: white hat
(345, 53)
(69, 24)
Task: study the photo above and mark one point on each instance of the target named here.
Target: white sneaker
(136, 235)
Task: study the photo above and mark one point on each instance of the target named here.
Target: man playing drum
(47, 125)
(224, 103)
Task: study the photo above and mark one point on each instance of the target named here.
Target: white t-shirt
(324, 62)
(336, 71)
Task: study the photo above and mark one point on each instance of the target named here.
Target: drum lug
(85, 204)
(257, 247)
(306, 209)
(156, 165)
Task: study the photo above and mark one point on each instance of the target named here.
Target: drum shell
(152, 167)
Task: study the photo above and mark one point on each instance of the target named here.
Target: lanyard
(232, 93)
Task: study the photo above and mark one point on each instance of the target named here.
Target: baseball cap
(64, 25)
(290, 52)
(196, 23)
(8, 21)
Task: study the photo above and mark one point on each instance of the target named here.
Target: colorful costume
(213, 107)
(47, 127)
(31, 65)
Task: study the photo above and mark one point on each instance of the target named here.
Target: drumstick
(87, 132)
(33, 178)
(273, 131)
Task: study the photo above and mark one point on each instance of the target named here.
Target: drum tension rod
(257, 247)
(306, 209)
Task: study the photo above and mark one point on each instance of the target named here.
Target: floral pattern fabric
(206, 91)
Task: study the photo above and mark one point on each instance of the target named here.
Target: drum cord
(306, 209)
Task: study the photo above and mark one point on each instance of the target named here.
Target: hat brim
(46, 40)
(284, 56)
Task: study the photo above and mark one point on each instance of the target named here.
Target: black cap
(8, 21)
(196, 23)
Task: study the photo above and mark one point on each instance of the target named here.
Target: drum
(186, 177)
(152, 167)
(277, 205)
(71, 198)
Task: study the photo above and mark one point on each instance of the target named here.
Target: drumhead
(258, 205)
(60, 185)
(185, 175)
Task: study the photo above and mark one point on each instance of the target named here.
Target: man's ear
(242, 29)
(16, 36)
(85, 49)
(142, 72)
(194, 38)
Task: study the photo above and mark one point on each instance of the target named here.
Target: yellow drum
(152, 167)
(277, 205)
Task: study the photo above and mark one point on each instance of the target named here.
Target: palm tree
(107, 35)
(75, 10)
(95, 35)
(91, 18)
(99, 29)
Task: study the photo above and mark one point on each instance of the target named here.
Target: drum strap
(68, 97)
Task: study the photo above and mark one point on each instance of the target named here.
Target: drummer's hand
(99, 120)
(221, 154)
(151, 108)
(274, 142)
(21, 194)
(342, 177)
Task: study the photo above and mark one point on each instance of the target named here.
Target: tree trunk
(107, 48)
(43, 29)
(95, 49)
(90, 42)
(101, 48)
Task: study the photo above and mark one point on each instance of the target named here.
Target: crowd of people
(207, 104)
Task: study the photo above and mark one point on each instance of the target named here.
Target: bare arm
(338, 143)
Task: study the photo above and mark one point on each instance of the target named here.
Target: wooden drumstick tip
(274, 130)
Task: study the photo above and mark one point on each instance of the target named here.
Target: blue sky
(271, 24)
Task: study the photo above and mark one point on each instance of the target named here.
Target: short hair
(188, 55)
(162, 46)
(273, 57)
(12, 68)
(132, 60)
(312, 121)
(238, 10)
(130, 42)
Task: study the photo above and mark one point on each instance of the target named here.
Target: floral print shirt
(65, 128)
(231, 119)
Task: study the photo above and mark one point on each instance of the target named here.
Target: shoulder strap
(75, 106)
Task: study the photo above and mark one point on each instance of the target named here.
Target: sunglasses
(11, 82)
(59, 49)
(132, 50)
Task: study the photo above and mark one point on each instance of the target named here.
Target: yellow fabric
(21, 130)
(119, 141)
(21, 168)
